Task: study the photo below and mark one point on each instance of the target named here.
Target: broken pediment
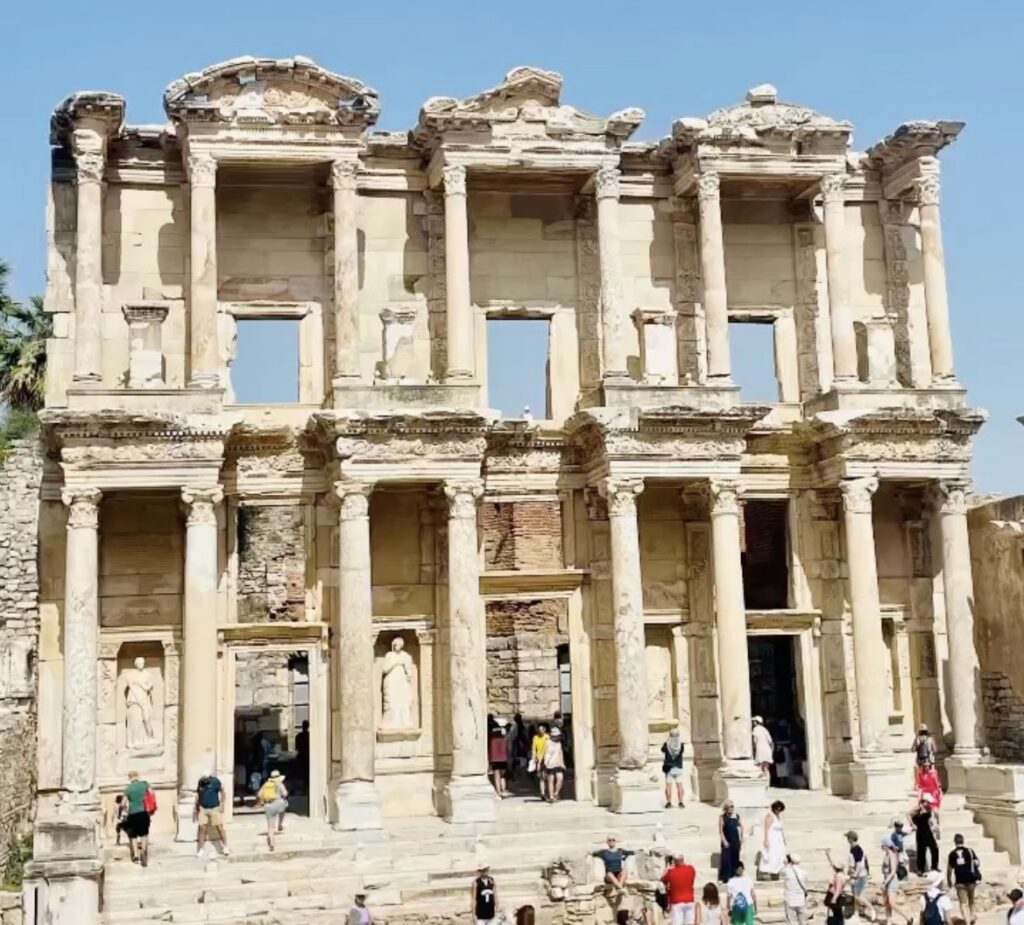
(526, 103)
(271, 91)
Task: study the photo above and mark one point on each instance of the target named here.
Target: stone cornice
(912, 140)
(104, 110)
(60, 426)
(894, 422)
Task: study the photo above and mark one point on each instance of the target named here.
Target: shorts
(858, 885)
(742, 918)
(681, 913)
(965, 892)
(674, 773)
(892, 884)
(211, 816)
(551, 772)
(484, 921)
(275, 807)
(499, 765)
(137, 825)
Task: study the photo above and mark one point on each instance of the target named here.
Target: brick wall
(523, 534)
(271, 564)
(1004, 717)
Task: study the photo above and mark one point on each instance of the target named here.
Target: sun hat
(276, 775)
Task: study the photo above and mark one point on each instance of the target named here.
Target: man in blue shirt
(209, 811)
(612, 856)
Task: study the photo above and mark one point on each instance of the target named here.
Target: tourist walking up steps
(936, 907)
(553, 766)
(209, 811)
(614, 858)
(773, 845)
(672, 767)
(141, 805)
(678, 880)
(483, 897)
(794, 891)
(835, 894)
(963, 872)
(359, 914)
(764, 746)
(741, 898)
(923, 748)
(858, 871)
(273, 797)
(894, 871)
(730, 835)
(709, 909)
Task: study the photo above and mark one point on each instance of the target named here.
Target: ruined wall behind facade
(20, 479)
(522, 534)
(271, 563)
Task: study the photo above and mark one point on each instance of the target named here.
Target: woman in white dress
(773, 848)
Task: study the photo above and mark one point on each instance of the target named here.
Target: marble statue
(138, 692)
(397, 687)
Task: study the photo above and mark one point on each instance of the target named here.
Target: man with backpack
(936, 907)
(209, 811)
(963, 871)
(742, 900)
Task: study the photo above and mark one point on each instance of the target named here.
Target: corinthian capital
(708, 185)
(857, 493)
(833, 187)
(354, 498)
(83, 506)
(620, 496)
(928, 189)
(454, 179)
(606, 182)
(463, 498)
(201, 505)
(344, 173)
(89, 166)
(725, 496)
(950, 497)
(202, 169)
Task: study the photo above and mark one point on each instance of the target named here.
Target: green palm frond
(24, 329)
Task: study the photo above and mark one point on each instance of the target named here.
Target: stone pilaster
(737, 778)
(357, 802)
(346, 271)
(936, 298)
(197, 737)
(844, 344)
(456, 272)
(90, 153)
(633, 789)
(712, 262)
(468, 796)
(202, 306)
(613, 309)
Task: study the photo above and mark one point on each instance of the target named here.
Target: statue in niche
(138, 695)
(399, 694)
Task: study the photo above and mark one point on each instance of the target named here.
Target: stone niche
(271, 564)
(403, 692)
(662, 712)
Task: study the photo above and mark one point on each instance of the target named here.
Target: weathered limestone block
(271, 564)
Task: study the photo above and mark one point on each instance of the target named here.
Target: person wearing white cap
(794, 891)
(273, 797)
(764, 746)
(484, 897)
(936, 907)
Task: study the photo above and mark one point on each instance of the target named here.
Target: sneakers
(227, 851)
(201, 854)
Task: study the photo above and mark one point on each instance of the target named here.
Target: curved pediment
(271, 90)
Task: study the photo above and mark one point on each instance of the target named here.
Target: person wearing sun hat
(553, 766)
(484, 896)
(359, 914)
(273, 796)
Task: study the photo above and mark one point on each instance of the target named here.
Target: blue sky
(876, 64)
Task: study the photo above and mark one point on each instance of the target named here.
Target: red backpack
(149, 802)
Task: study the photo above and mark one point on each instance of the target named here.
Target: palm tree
(24, 330)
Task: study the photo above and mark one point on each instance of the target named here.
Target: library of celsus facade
(387, 559)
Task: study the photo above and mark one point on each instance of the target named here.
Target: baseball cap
(851, 835)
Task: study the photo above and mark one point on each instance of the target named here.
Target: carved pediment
(285, 91)
(914, 139)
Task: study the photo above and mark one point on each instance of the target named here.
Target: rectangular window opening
(752, 349)
(765, 554)
(518, 366)
(265, 369)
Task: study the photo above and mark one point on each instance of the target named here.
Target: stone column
(632, 789)
(468, 796)
(712, 260)
(461, 334)
(90, 160)
(197, 737)
(950, 500)
(202, 307)
(737, 777)
(346, 271)
(874, 774)
(81, 651)
(844, 344)
(357, 802)
(613, 309)
(934, 265)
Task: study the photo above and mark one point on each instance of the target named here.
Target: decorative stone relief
(660, 702)
(398, 689)
(621, 495)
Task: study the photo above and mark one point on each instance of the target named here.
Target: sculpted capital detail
(620, 495)
(857, 493)
(832, 187)
(606, 183)
(343, 174)
(354, 498)
(454, 180)
(83, 507)
(950, 497)
(201, 505)
(89, 166)
(463, 497)
(725, 496)
(708, 185)
(202, 170)
(928, 189)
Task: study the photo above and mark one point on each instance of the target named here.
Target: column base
(467, 799)
(62, 882)
(636, 790)
(356, 806)
(879, 777)
(958, 766)
(740, 783)
(186, 824)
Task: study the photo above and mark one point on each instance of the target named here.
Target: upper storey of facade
(267, 195)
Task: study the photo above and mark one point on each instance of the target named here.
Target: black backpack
(932, 914)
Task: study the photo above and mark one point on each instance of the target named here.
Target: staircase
(422, 868)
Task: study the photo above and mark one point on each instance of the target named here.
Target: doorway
(775, 696)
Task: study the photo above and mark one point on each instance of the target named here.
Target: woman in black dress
(730, 833)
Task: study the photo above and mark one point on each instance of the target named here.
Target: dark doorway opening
(775, 696)
(765, 554)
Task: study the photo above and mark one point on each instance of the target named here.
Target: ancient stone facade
(184, 532)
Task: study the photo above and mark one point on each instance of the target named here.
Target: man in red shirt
(678, 880)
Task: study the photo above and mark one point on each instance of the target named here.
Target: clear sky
(876, 64)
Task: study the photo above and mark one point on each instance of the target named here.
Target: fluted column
(469, 797)
(613, 309)
(865, 608)
(456, 274)
(90, 160)
(950, 500)
(712, 260)
(346, 270)
(202, 308)
(936, 299)
(844, 344)
(81, 645)
(356, 798)
(197, 739)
